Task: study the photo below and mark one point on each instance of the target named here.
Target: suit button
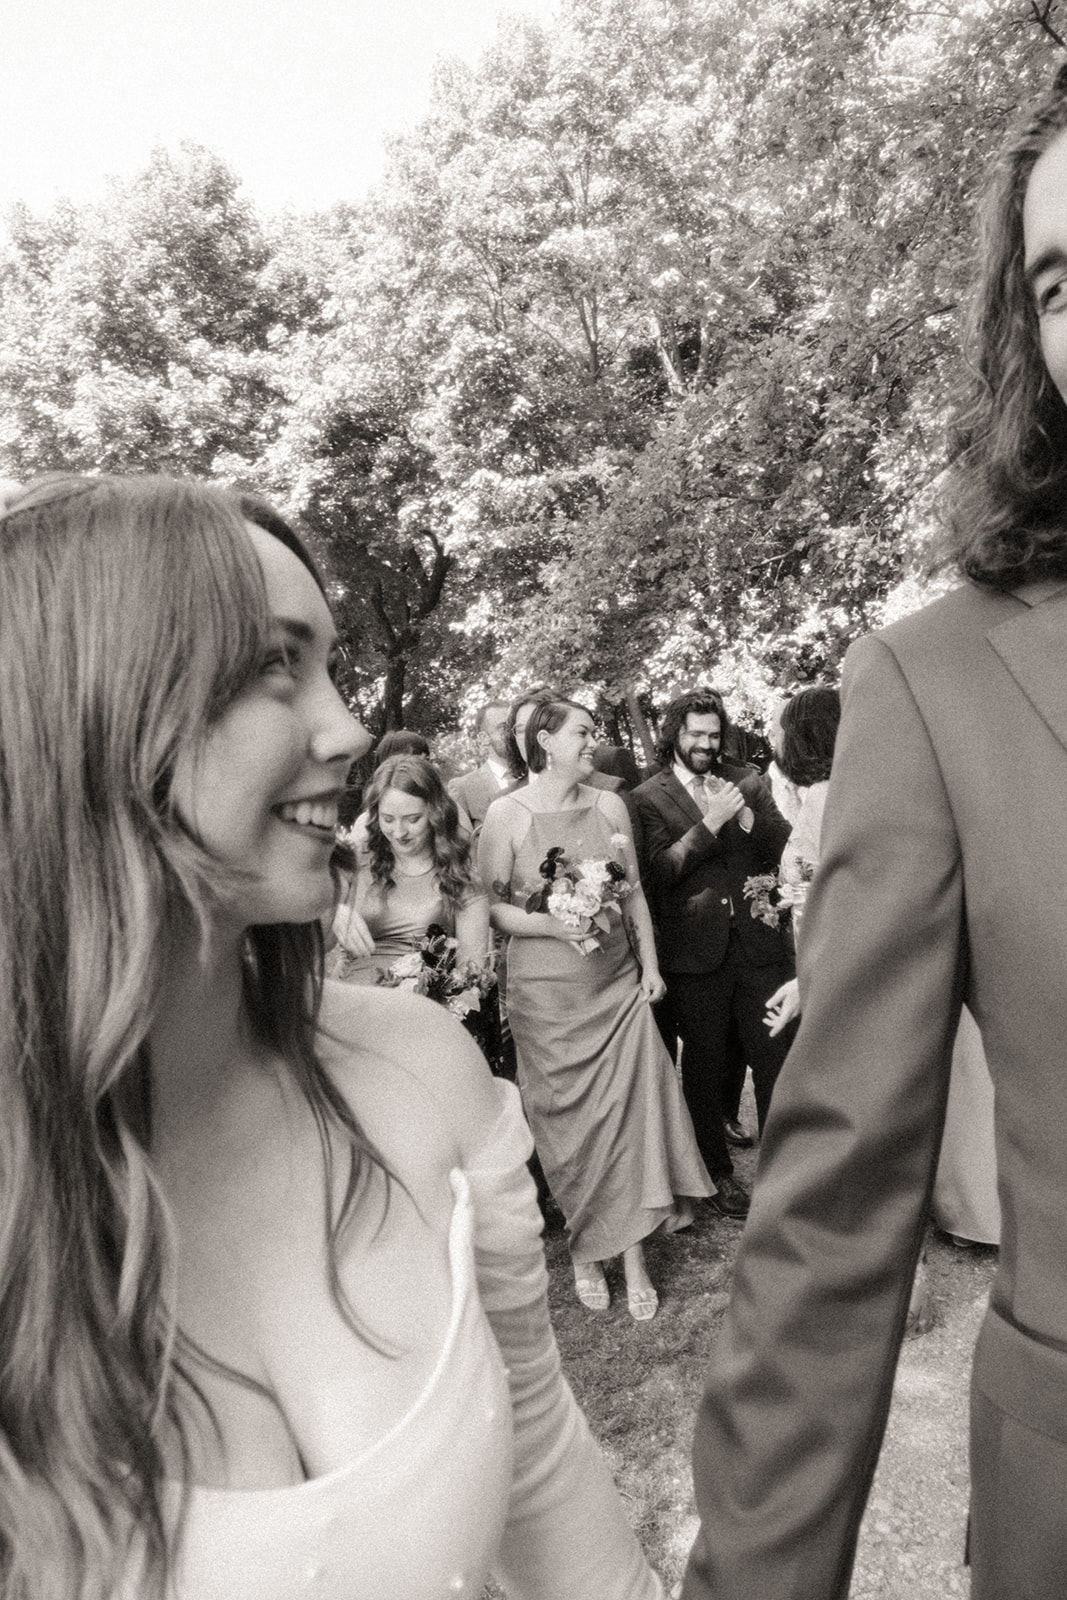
(724, 902)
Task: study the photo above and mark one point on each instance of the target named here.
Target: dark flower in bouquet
(431, 970)
(776, 896)
(582, 894)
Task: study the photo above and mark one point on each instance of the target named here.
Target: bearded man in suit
(943, 879)
(476, 790)
(706, 827)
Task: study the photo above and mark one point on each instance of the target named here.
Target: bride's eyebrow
(1049, 259)
(302, 632)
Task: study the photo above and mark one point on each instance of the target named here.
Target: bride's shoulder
(407, 1068)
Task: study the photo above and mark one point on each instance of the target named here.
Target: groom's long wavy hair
(132, 611)
(1005, 501)
(703, 703)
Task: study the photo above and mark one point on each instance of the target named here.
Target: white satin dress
(492, 1470)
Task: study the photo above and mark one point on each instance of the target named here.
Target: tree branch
(377, 601)
(1041, 14)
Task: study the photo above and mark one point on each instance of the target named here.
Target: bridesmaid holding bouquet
(601, 1094)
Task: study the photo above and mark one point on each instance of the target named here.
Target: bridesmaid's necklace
(420, 872)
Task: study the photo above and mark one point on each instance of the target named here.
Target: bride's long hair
(131, 613)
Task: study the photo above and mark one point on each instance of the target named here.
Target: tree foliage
(634, 369)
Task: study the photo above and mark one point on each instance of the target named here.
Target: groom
(942, 879)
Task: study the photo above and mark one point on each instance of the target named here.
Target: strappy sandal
(643, 1304)
(593, 1293)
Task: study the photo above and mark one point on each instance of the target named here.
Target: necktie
(701, 793)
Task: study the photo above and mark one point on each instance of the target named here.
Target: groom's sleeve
(792, 1420)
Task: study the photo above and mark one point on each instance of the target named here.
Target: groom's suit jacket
(694, 878)
(943, 878)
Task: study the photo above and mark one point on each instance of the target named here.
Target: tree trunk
(640, 726)
(393, 693)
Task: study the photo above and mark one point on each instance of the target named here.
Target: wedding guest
(941, 881)
(803, 730)
(401, 742)
(784, 792)
(808, 724)
(397, 742)
(474, 790)
(598, 1087)
(273, 1301)
(519, 716)
(708, 826)
(414, 871)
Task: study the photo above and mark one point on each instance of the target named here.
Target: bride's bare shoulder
(398, 1058)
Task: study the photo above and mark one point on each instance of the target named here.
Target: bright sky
(296, 95)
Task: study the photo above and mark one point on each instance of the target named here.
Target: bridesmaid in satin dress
(610, 1125)
(412, 869)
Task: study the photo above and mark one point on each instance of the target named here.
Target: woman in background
(611, 1128)
(414, 871)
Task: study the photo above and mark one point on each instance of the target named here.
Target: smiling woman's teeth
(311, 813)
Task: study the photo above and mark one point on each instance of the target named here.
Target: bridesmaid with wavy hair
(412, 871)
(273, 1314)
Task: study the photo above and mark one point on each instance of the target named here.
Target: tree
(137, 335)
(784, 490)
(635, 368)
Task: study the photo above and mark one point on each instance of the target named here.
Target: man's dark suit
(476, 790)
(715, 957)
(943, 878)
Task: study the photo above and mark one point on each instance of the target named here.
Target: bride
(609, 1123)
(274, 1314)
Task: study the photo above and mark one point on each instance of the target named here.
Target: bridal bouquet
(774, 896)
(431, 970)
(582, 894)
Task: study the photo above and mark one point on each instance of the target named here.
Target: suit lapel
(490, 788)
(1033, 646)
(680, 798)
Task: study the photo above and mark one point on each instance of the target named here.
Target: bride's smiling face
(261, 792)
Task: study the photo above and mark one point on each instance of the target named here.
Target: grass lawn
(639, 1385)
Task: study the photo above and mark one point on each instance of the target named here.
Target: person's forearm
(472, 931)
(639, 921)
(670, 864)
(520, 924)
